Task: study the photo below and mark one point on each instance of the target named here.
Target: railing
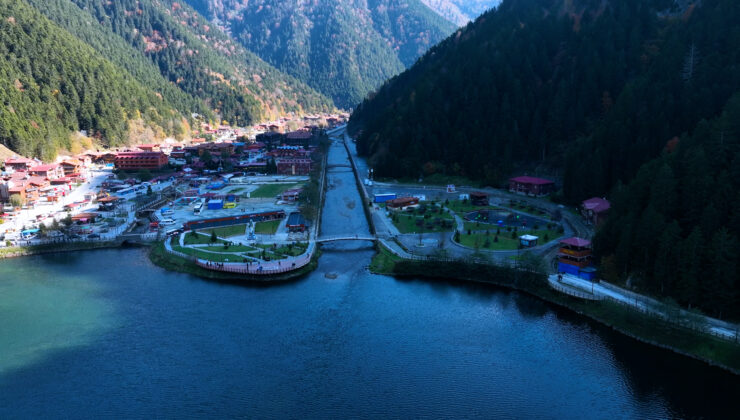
(244, 268)
(572, 292)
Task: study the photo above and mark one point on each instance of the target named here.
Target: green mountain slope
(201, 60)
(342, 48)
(51, 84)
(610, 97)
(523, 85)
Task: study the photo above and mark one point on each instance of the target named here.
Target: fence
(243, 268)
(573, 292)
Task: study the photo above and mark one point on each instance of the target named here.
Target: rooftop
(531, 180)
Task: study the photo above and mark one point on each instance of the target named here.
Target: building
(291, 195)
(71, 167)
(298, 138)
(595, 210)
(296, 222)
(529, 185)
(574, 257)
(148, 147)
(402, 203)
(131, 161)
(528, 241)
(478, 198)
(20, 164)
(293, 166)
(51, 171)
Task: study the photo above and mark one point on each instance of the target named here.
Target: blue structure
(382, 198)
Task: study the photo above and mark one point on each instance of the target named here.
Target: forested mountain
(460, 12)
(343, 48)
(161, 60)
(51, 83)
(606, 93)
(203, 61)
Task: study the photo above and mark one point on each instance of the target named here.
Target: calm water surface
(107, 334)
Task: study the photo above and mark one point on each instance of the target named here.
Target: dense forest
(117, 69)
(344, 48)
(676, 226)
(52, 83)
(203, 61)
(627, 99)
(589, 90)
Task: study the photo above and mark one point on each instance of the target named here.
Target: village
(240, 194)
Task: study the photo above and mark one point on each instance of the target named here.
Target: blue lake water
(107, 334)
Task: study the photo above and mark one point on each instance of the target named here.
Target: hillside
(52, 83)
(460, 12)
(198, 58)
(343, 49)
(530, 81)
(635, 100)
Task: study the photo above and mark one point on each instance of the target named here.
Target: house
(574, 257)
(296, 222)
(270, 138)
(298, 138)
(148, 147)
(595, 210)
(20, 164)
(132, 161)
(51, 171)
(71, 167)
(478, 198)
(291, 195)
(529, 185)
(402, 203)
(293, 166)
(528, 241)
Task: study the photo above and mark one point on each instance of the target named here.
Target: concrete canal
(106, 333)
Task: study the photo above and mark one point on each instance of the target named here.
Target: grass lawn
(231, 248)
(406, 222)
(267, 228)
(461, 208)
(220, 257)
(198, 239)
(271, 190)
(505, 243)
(227, 231)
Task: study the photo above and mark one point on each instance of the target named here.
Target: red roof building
(529, 185)
(595, 210)
(20, 164)
(140, 160)
(293, 166)
(50, 172)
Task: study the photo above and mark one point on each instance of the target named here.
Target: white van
(167, 222)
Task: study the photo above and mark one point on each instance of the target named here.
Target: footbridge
(346, 238)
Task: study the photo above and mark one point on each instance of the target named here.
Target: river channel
(108, 334)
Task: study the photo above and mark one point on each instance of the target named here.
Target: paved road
(643, 303)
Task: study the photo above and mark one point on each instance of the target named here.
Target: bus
(198, 207)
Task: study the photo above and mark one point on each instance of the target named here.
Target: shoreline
(161, 258)
(640, 327)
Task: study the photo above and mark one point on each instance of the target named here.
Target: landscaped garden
(424, 219)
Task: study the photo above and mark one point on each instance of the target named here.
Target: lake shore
(715, 352)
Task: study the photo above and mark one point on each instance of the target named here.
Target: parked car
(166, 222)
(93, 236)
